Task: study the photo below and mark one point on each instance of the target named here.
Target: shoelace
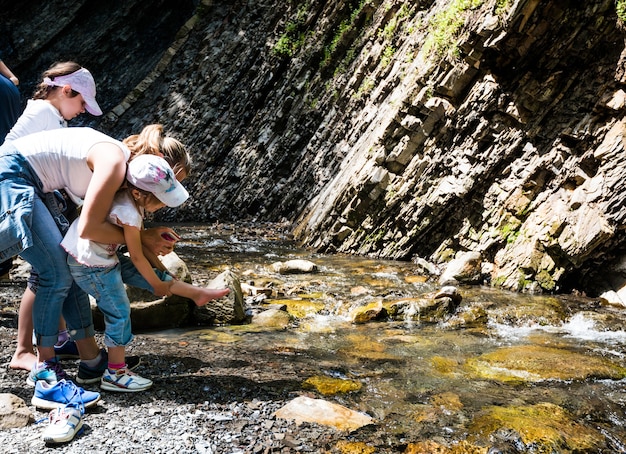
(57, 415)
(55, 367)
(70, 390)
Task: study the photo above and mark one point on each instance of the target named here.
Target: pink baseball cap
(153, 174)
(82, 82)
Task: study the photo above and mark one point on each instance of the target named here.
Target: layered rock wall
(405, 130)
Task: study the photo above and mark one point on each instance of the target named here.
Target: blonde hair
(151, 140)
(42, 91)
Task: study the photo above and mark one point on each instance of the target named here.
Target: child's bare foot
(23, 360)
(209, 294)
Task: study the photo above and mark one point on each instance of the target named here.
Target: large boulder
(150, 312)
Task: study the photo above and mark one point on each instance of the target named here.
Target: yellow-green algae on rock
(361, 347)
(433, 447)
(354, 447)
(302, 307)
(329, 386)
(445, 366)
(547, 427)
(534, 363)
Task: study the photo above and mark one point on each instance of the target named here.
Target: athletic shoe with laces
(49, 371)
(67, 350)
(61, 394)
(88, 374)
(125, 381)
(64, 423)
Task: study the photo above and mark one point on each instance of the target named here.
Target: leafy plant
(620, 8)
(445, 25)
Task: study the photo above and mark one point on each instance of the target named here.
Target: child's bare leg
(24, 356)
(117, 355)
(200, 295)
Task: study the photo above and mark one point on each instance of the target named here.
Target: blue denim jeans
(28, 228)
(106, 285)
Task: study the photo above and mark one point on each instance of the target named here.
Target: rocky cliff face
(397, 129)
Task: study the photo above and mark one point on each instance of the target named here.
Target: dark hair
(42, 91)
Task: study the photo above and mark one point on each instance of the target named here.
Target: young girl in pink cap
(66, 91)
(101, 271)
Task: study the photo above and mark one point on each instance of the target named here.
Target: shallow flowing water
(518, 372)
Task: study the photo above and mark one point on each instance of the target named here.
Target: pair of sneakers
(51, 370)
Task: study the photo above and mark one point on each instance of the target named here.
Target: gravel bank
(204, 400)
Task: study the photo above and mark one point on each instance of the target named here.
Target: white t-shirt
(39, 115)
(93, 254)
(59, 157)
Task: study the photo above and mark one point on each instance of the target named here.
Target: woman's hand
(159, 240)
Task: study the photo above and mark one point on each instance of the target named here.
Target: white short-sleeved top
(94, 254)
(59, 157)
(39, 115)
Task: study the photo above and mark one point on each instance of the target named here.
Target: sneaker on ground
(64, 423)
(61, 394)
(49, 371)
(125, 381)
(88, 374)
(67, 350)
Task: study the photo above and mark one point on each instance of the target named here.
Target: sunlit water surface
(413, 374)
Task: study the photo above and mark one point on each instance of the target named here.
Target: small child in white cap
(102, 272)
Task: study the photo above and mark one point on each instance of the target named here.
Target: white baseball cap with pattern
(82, 82)
(153, 174)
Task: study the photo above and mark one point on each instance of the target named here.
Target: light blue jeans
(106, 285)
(29, 229)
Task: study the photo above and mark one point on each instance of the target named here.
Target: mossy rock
(532, 363)
(330, 386)
(545, 426)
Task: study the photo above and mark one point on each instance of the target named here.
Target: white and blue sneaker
(64, 423)
(50, 371)
(123, 380)
(62, 394)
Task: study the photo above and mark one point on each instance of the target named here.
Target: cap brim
(92, 107)
(175, 197)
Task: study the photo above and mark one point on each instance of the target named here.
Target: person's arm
(108, 165)
(109, 171)
(132, 236)
(6, 72)
(153, 259)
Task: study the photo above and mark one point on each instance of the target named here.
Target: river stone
(369, 312)
(465, 268)
(304, 409)
(227, 310)
(294, 267)
(13, 412)
(272, 318)
(150, 312)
